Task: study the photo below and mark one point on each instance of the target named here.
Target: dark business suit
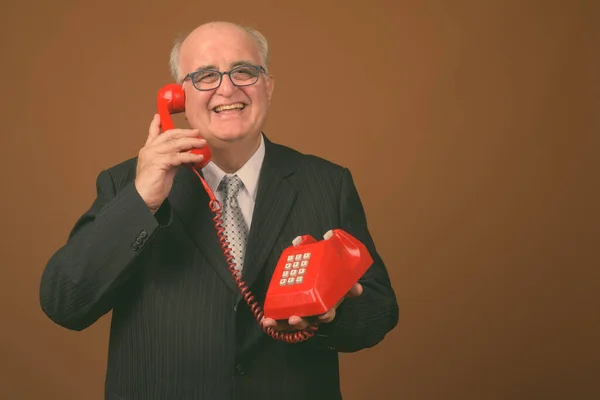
(180, 329)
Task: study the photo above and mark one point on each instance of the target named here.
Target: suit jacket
(179, 328)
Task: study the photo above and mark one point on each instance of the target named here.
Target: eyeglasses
(208, 79)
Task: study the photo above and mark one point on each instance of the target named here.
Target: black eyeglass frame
(260, 69)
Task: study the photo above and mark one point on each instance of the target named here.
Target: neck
(231, 156)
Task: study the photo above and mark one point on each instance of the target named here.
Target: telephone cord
(289, 337)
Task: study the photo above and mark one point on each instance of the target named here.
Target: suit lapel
(274, 200)
(190, 203)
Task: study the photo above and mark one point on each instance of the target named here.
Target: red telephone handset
(335, 263)
(312, 276)
(171, 100)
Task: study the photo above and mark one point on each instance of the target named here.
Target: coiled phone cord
(289, 337)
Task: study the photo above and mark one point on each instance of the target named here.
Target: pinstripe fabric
(179, 329)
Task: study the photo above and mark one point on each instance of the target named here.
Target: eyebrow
(232, 65)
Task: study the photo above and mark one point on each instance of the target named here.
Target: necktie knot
(231, 185)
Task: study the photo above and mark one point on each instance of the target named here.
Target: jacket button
(239, 369)
(143, 234)
(134, 247)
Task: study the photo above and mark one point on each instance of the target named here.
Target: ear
(184, 87)
(270, 87)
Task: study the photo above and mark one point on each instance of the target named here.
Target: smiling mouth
(229, 107)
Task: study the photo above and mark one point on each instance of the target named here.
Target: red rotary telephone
(310, 277)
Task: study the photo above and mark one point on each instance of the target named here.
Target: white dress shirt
(248, 173)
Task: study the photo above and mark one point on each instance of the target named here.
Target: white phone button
(294, 272)
(288, 265)
(286, 274)
(282, 282)
(301, 271)
(299, 279)
(304, 263)
(290, 281)
(290, 258)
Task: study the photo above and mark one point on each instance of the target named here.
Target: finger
(297, 322)
(270, 322)
(176, 159)
(181, 144)
(327, 317)
(276, 325)
(189, 158)
(154, 129)
(177, 134)
(355, 291)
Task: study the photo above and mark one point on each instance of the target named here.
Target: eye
(244, 73)
(206, 77)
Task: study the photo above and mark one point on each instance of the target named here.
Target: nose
(227, 87)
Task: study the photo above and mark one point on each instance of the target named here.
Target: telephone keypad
(295, 269)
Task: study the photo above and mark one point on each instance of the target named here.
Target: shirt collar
(248, 173)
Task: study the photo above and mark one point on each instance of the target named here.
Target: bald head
(235, 108)
(211, 30)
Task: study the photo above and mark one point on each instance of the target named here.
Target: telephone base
(312, 276)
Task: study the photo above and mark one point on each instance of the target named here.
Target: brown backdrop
(472, 131)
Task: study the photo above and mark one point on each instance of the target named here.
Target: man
(147, 248)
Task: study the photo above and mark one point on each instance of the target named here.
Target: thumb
(154, 129)
(356, 290)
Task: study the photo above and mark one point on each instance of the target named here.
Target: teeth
(234, 106)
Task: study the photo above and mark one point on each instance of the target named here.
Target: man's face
(222, 47)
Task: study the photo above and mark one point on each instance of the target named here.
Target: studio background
(471, 129)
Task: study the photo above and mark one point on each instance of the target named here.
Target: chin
(231, 134)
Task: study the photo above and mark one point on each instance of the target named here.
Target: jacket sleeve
(81, 279)
(361, 322)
